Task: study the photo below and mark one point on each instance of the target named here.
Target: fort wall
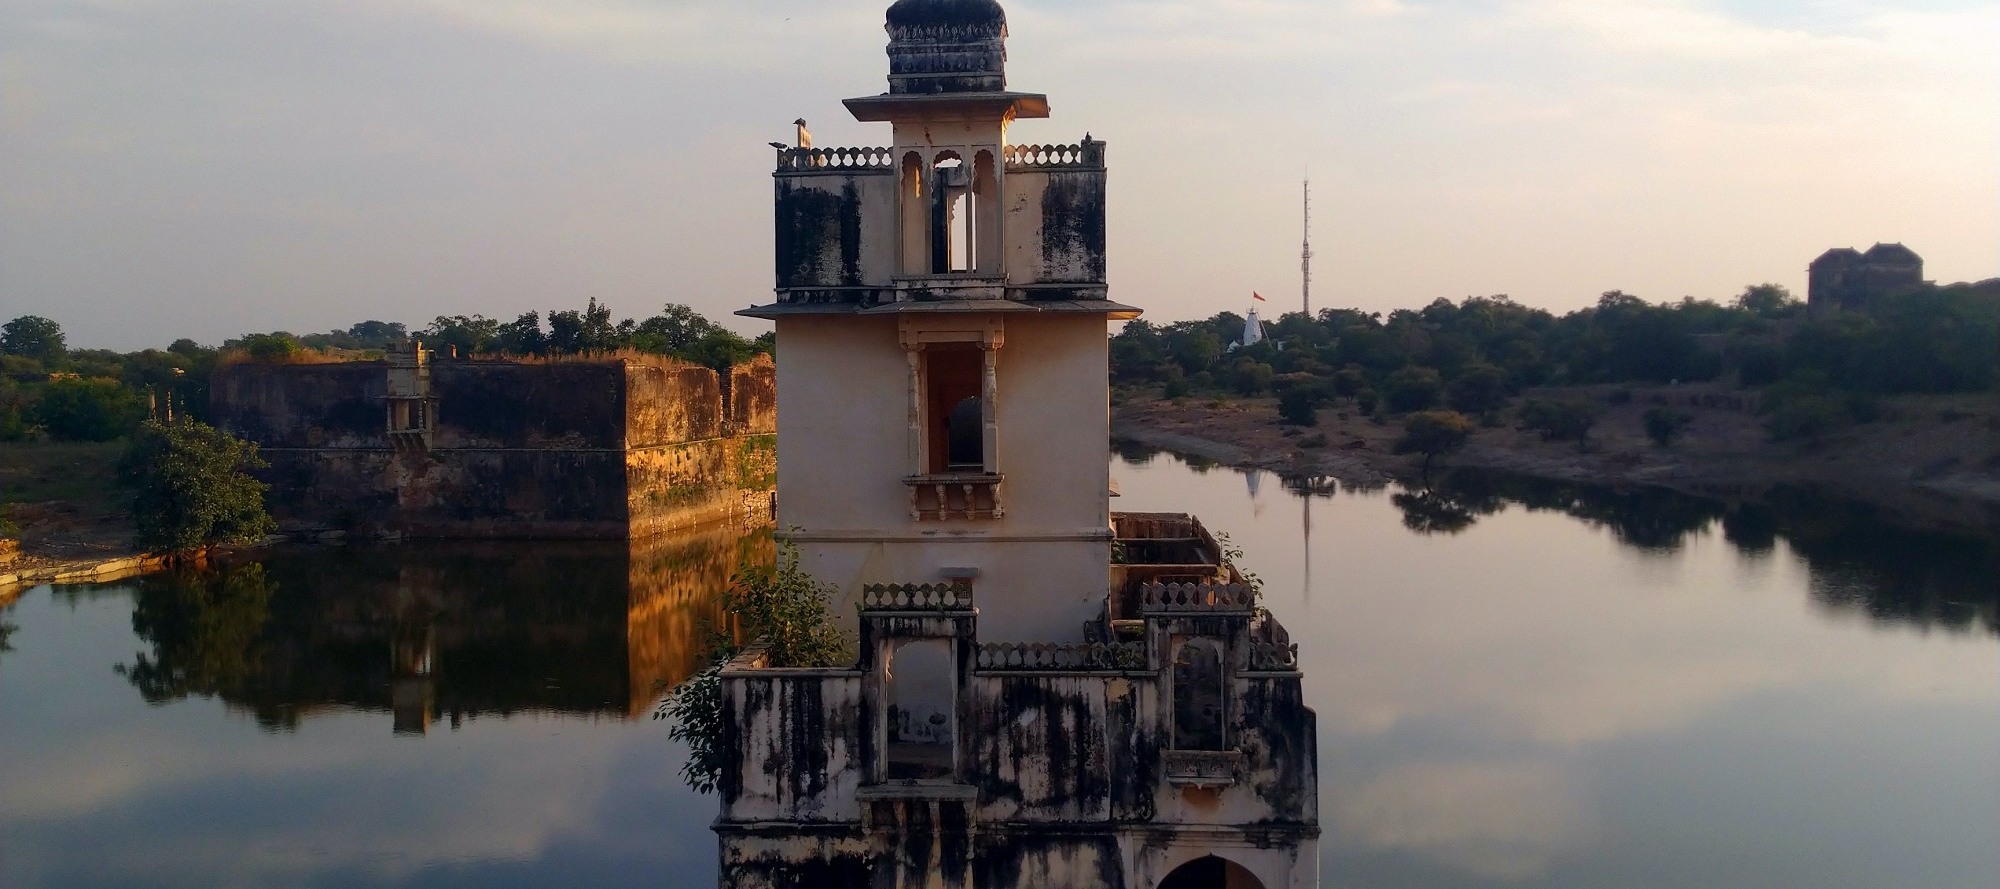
(583, 449)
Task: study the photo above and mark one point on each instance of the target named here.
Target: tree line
(49, 391)
(1473, 356)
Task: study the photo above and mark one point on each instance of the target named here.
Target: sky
(206, 168)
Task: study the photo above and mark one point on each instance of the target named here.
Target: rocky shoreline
(1932, 464)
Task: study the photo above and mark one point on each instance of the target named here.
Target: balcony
(948, 496)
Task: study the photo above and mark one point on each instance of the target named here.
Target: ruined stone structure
(1046, 693)
(1845, 279)
(429, 447)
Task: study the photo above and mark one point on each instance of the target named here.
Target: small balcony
(954, 496)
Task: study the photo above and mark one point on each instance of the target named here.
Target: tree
(465, 334)
(1664, 424)
(1432, 433)
(522, 336)
(1561, 420)
(32, 336)
(86, 410)
(1479, 388)
(1298, 405)
(1767, 300)
(192, 488)
(1412, 388)
(675, 330)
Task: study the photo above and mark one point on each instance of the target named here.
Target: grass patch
(77, 472)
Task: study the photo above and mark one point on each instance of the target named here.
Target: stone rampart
(578, 449)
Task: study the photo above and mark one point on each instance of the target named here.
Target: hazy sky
(207, 167)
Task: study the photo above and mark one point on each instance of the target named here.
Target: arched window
(1198, 696)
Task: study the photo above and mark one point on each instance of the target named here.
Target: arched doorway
(1210, 872)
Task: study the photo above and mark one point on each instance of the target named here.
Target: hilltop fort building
(1846, 279)
(1046, 693)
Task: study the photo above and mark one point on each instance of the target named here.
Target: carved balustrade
(827, 159)
(1081, 156)
(1198, 597)
(1081, 656)
(1274, 657)
(954, 596)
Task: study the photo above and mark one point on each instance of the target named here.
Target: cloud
(1505, 820)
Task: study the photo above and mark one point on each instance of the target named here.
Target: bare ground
(1930, 462)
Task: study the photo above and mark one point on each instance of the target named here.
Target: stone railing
(1082, 156)
(1274, 657)
(1082, 656)
(1204, 597)
(941, 497)
(956, 596)
(814, 159)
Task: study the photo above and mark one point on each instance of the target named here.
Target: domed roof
(961, 13)
(947, 46)
(1892, 253)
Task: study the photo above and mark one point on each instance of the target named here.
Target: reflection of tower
(411, 689)
(1308, 546)
(412, 652)
(1252, 479)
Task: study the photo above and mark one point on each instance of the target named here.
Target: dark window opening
(955, 412)
(1198, 696)
(922, 693)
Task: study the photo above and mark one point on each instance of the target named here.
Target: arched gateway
(1211, 873)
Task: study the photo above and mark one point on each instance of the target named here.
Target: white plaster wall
(1021, 225)
(843, 453)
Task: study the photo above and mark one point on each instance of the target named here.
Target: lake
(1518, 684)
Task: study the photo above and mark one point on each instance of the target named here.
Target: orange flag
(1258, 297)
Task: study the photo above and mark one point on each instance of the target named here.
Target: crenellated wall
(589, 449)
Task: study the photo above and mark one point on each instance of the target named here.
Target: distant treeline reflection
(439, 632)
(1858, 562)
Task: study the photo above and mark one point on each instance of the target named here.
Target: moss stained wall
(582, 449)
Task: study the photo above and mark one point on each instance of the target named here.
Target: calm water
(1518, 685)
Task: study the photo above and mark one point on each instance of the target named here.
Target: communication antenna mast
(1306, 254)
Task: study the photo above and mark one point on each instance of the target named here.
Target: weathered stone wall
(570, 449)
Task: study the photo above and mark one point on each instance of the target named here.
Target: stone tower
(1025, 709)
(942, 307)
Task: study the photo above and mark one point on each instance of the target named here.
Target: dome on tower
(908, 13)
(947, 46)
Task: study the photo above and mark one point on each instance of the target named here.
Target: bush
(192, 488)
(86, 410)
(1367, 401)
(781, 607)
(272, 348)
(1808, 416)
(1298, 406)
(1176, 389)
(1664, 424)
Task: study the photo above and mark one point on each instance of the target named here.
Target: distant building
(1253, 330)
(1845, 279)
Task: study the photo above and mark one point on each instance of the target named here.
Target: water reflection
(438, 633)
(1858, 563)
